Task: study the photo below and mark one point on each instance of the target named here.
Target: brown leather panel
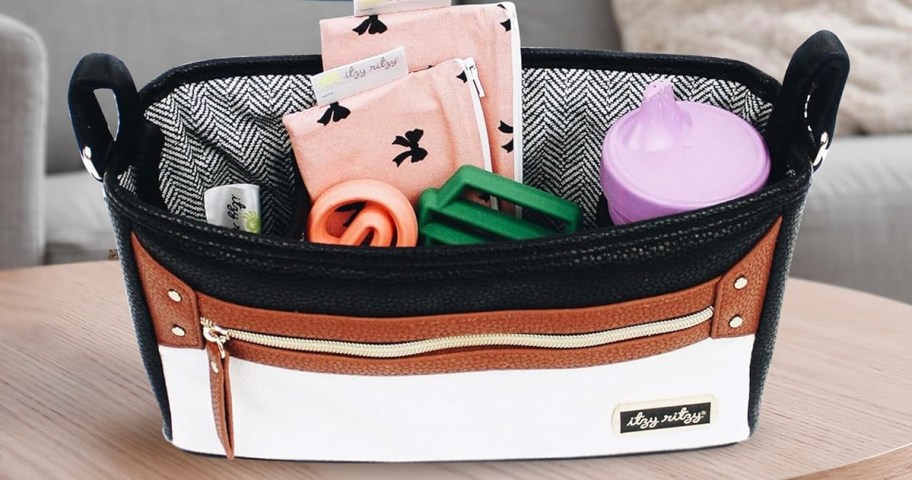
(747, 302)
(721, 293)
(393, 330)
(220, 390)
(473, 360)
(166, 313)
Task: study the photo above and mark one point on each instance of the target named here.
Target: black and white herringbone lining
(128, 180)
(225, 131)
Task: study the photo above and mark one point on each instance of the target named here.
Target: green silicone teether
(446, 217)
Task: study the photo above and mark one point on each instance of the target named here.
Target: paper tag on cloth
(340, 83)
(234, 206)
(378, 7)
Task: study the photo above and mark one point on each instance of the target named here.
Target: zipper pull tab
(219, 383)
(216, 335)
(472, 72)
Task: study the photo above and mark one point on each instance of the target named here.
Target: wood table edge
(895, 464)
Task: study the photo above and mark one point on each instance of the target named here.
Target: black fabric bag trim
(758, 82)
(366, 264)
(810, 98)
(755, 80)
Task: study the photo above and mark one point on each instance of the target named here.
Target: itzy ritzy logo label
(647, 417)
(333, 86)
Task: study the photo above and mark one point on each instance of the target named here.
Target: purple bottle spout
(660, 123)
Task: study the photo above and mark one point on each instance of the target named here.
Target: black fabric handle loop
(98, 71)
(804, 116)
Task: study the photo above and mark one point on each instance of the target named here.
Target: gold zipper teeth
(410, 349)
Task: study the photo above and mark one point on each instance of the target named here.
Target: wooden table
(75, 402)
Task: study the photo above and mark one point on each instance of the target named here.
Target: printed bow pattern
(507, 129)
(372, 25)
(410, 141)
(508, 24)
(464, 76)
(335, 113)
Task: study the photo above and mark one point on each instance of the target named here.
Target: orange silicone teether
(387, 217)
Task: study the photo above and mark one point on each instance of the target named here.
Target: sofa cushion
(78, 226)
(23, 107)
(857, 224)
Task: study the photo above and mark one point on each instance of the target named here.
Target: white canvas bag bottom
(286, 414)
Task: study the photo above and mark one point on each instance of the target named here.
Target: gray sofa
(856, 226)
(23, 107)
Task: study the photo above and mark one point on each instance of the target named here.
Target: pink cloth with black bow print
(489, 33)
(413, 134)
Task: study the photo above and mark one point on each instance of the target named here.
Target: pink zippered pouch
(488, 33)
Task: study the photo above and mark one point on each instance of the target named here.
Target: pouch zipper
(221, 336)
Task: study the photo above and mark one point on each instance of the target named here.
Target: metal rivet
(178, 331)
(174, 295)
(736, 322)
(741, 283)
(214, 366)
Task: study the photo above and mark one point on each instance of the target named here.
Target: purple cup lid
(669, 157)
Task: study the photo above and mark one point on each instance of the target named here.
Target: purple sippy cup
(669, 157)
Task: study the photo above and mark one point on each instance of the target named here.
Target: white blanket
(876, 33)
